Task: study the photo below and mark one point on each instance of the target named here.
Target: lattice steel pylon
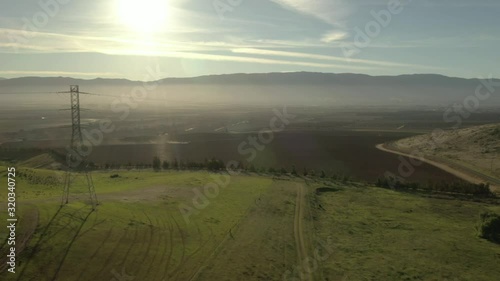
(76, 145)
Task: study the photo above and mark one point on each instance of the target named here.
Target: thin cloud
(329, 58)
(332, 12)
(41, 42)
(334, 36)
(57, 73)
(213, 57)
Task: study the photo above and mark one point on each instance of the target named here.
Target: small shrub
(490, 227)
(496, 132)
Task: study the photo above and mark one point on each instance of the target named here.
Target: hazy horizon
(185, 38)
(248, 73)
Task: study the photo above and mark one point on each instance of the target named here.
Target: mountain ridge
(276, 87)
(235, 78)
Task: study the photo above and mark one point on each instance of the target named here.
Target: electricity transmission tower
(76, 145)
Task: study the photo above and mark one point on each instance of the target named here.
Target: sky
(153, 39)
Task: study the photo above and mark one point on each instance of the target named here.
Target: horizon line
(246, 73)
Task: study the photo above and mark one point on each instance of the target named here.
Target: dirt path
(469, 175)
(298, 228)
(263, 246)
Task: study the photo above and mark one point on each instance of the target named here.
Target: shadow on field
(38, 243)
(44, 236)
(84, 220)
(326, 189)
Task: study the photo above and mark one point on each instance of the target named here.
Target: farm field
(347, 152)
(255, 228)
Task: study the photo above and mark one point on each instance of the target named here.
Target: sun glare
(145, 16)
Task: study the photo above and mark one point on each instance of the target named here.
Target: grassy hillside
(246, 232)
(379, 234)
(474, 150)
(137, 228)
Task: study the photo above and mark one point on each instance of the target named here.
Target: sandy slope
(471, 153)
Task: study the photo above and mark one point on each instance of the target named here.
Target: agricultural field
(255, 227)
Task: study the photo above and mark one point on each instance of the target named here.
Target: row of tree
(209, 164)
(219, 165)
(216, 165)
(460, 187)
(35, 177)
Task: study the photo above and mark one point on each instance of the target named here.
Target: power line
(117, 97)
(76, 142)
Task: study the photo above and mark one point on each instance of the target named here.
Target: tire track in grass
(66, 252)
(203, 244)
(299, 229)
(90, 228)
(148, 270)
(38, 243)
(45, 237)
(149, 242)
(133, 246)
(108, 234)
(319, 273)
(71, 217)
(123, 262)
(23, 240)
(171, 240)
(216, 251)
(183, 241)
(111, 255)
(164, 250)
(187, 258)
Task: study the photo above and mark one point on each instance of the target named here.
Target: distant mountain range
(313, 78)
(422, 89)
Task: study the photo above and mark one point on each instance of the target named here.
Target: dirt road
(462, 172)
(298, 229)
(271, 242)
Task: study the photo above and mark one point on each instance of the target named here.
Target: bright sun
(145, 16)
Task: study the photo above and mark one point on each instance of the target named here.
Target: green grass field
(139, 231)
(381, 234)
(137, 228)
